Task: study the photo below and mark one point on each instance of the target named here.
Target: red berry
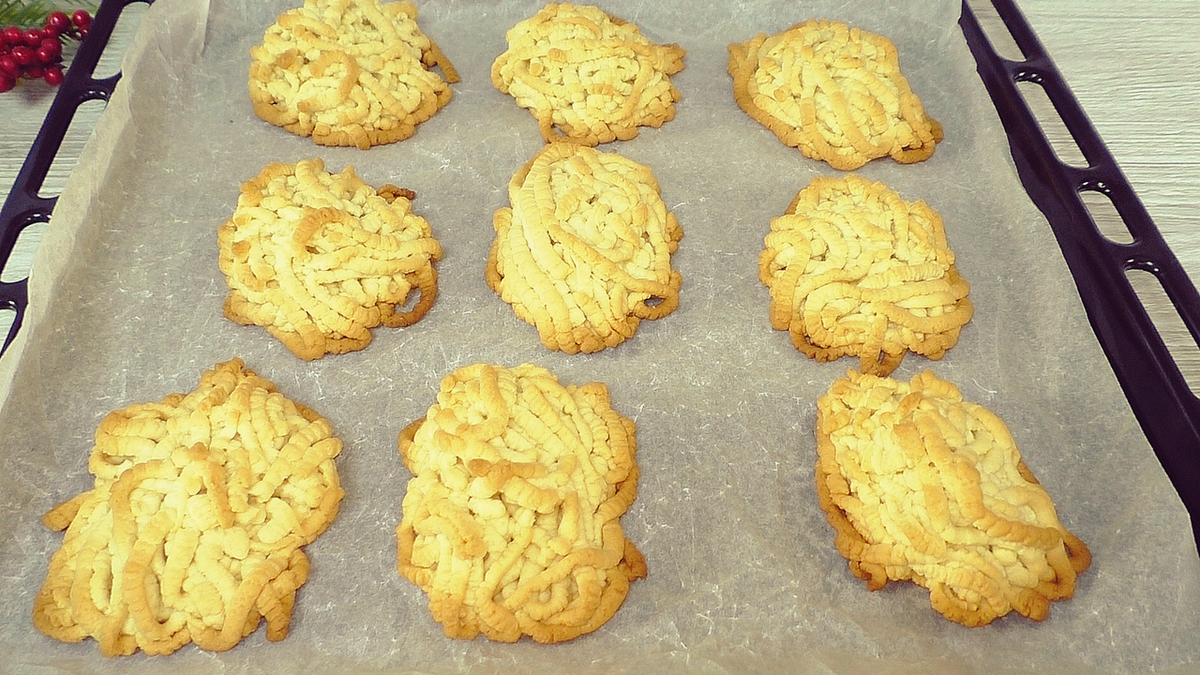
(22, 55)
(6, 83)
(9, 66)
(53, 75)
(13, 35)
(59, 21)
(81, 18)
(45, 56)
(33, 38)
(35, 72)
(49, 51)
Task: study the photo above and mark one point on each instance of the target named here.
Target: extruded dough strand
(510, 537)
(587, 76)
(833, 91)
(855, 270)
(171, 545)
(349, 73)
(320, 259)
(584, 250)
(920, 485)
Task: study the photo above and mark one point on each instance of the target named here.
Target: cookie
(588, 76)
(855, 270)
(584, 251)
(920, 485)
(833, 91)
(511, 522)
(349, 73)
(319, 259)
(194, 528)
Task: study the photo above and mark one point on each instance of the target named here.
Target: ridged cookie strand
(193, 529)
(511, 522)
(588, 76)
(920, 485)
(855, 270)
(319, 259)
(833, 91)
(584, 251)
(349, 73)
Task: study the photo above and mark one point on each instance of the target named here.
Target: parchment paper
(743, 577)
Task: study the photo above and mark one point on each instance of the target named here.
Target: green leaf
(24, 14)
(32, 13)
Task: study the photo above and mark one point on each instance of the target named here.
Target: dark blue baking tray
(1165, 407)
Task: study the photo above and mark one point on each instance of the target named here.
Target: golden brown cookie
(588, 76)
(319, 259)
(349, 72)
(855, 270)
(833, 91)
(922, 486)
(194, 527)
(511, 522)
(584, 251)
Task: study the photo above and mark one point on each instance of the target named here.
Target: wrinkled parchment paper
(743, 577)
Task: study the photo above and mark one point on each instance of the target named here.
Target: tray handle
(1163, 403)
(23, 207)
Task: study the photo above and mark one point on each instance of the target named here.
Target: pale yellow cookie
(584, 251)
(855, 270)
(319, 259)
(511, 522)
(194, 527)
(588, 76)
(833, 91)
(922, 486)
(349, 72)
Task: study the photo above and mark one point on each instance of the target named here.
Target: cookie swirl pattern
(349, 73)
(588, 76)
(319, 259)
(833, 91)
(511, 522)
(194, 527)
(855, 270)
(584, 251)
(920, 485)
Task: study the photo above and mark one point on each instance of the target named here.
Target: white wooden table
(1135, 68)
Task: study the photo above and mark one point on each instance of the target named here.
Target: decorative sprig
(32, 34)
(32, 13)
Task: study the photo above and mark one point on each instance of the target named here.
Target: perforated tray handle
(23, 207)
(1162, 402)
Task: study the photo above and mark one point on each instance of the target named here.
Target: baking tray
(1164, 405)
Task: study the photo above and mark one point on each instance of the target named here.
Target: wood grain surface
(1135, 69)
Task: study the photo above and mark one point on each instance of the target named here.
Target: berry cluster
(36, 53)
